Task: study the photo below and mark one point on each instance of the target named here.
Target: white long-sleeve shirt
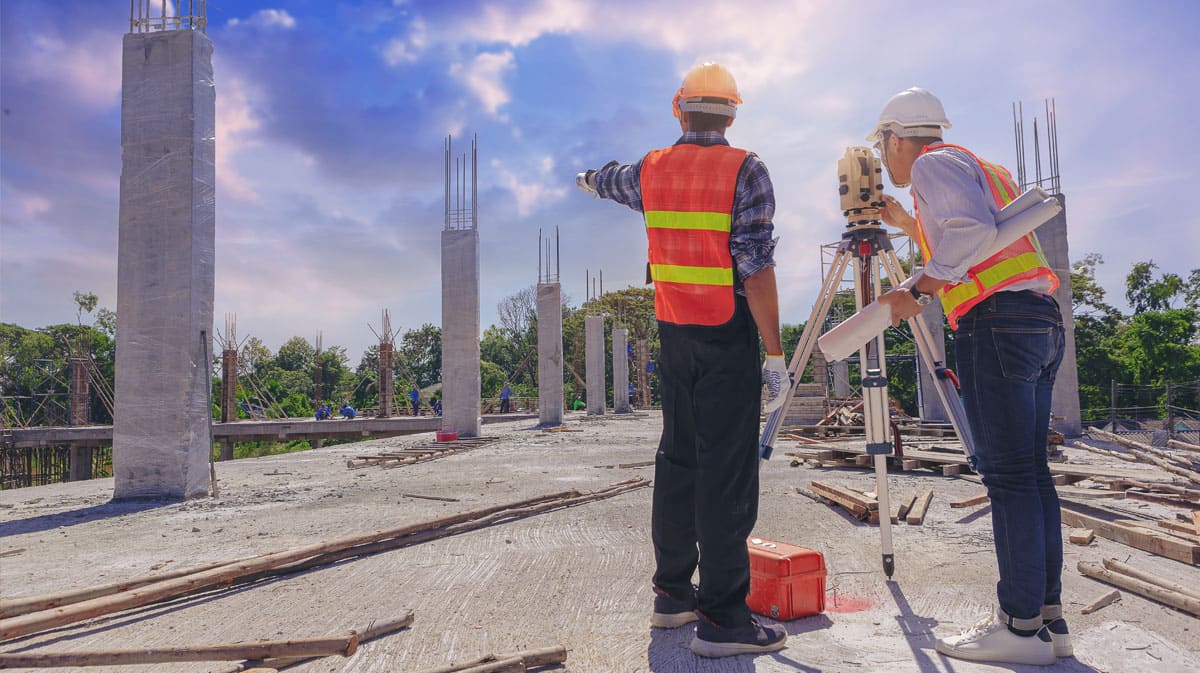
(958, 214)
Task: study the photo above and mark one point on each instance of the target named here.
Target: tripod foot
(889, 565)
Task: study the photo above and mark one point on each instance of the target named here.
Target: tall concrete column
(620, 337)
(841, 379)
(593, 346)
(931, 407)
(550, 354)
(1064, 404)
(162, 431)
(460, 331)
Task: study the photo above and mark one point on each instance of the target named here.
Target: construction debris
(518, 662)
(374, 631)
(419, 454)
(860, 505)
(970, 502)
(1138, 535)
(302, 647)
(916, 515)
(1107, 599)
(1082, 536)
(299, 558)
(1144, 584)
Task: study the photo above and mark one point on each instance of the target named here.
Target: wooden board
(862, 508)
(1077, 493)
(1082, 536)
(1138, 538)
(916, 516)
(970, 502)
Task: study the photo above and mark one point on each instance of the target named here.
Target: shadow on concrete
(74, 517)
(979, 513)
(918, 633)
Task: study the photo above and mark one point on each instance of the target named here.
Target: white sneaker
(1056, 626)
(991, 640)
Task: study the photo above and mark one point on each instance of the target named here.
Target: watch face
(924, 299)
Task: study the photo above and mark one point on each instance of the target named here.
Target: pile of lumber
(419, 453)
(864, 506)
(1170, 540)
(1148, 585)
(34, 614)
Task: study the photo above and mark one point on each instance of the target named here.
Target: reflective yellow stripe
(957, 295)
(1002, 271)
(694, 275)
(671, 219)
(1002, 187)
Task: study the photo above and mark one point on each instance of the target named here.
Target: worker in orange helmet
(1008, 343)
(708, 210)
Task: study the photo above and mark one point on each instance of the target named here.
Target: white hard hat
(911, 113)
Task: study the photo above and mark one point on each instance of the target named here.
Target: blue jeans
(1008, 350)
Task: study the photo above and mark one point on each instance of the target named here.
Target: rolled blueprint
(1027, 212)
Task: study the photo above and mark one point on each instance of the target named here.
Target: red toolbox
(445, 436)
(786, 581)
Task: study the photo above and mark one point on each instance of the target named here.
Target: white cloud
(268, 18)
(408, 48)
(532, 190)
(86, 69)
(483, 76)
(236, 123)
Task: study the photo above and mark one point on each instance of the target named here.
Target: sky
(332, 116)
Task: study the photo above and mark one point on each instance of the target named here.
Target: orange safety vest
(1023, 260)
(687, 198)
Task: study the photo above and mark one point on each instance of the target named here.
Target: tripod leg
(808, 339)
(946, 390)
(873, 365)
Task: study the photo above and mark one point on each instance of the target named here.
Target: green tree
(296, 355)
(1147, 294)
(421, 352)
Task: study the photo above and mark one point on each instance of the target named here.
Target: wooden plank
(1082, 536)
(970, 502)
(1106, 599)
(1196, 522)
(909, 464)
(906, 505)
(1161, 530)
(916, 516)
(1169, 500)
(860, 507)
(1089, 471)
(1177, 527)
(1088, 493)
(951, 470)
(1138, 538)
(1063, 479)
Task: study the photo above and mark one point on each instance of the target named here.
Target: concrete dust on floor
(577, 577)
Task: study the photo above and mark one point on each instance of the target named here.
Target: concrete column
(385, 380)
(841, 379)
(620, 337)
(460, 331)
(162, 430)
(593, 346)
(1064, 405)
(930, 405)
(550, 354)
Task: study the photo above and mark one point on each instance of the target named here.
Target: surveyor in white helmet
(1008, 345)
(708, 210)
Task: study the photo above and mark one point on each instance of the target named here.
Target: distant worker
(1008, 344)
(414, 396)
(708, 209)
(505, 393)
(348, 411)
(437, 405)
(578, 404)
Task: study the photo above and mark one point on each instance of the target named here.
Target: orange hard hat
(707, 80)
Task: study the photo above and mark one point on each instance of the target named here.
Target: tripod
(866, 244)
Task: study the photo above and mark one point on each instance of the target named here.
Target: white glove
(586, 181)
(776, 381)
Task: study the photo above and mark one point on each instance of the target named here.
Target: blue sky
(331, 118)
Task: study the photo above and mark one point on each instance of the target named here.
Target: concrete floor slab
(578, 577)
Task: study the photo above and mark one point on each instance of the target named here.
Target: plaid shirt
(750, 240)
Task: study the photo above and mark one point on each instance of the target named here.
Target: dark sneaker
(751, 638)
(670, 613)
(1056, 626)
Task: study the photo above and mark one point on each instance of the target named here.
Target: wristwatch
(921, 298)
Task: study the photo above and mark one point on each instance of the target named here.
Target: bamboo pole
(1159, 457)
(419, 538)
(513, 665)
(55, 617)
(531, 658)
(319, 647)
(1144, 589)
(19, 606)
(372, 632)
(1100, 602)
(1126, 569)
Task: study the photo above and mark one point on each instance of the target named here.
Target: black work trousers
(706, 469)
